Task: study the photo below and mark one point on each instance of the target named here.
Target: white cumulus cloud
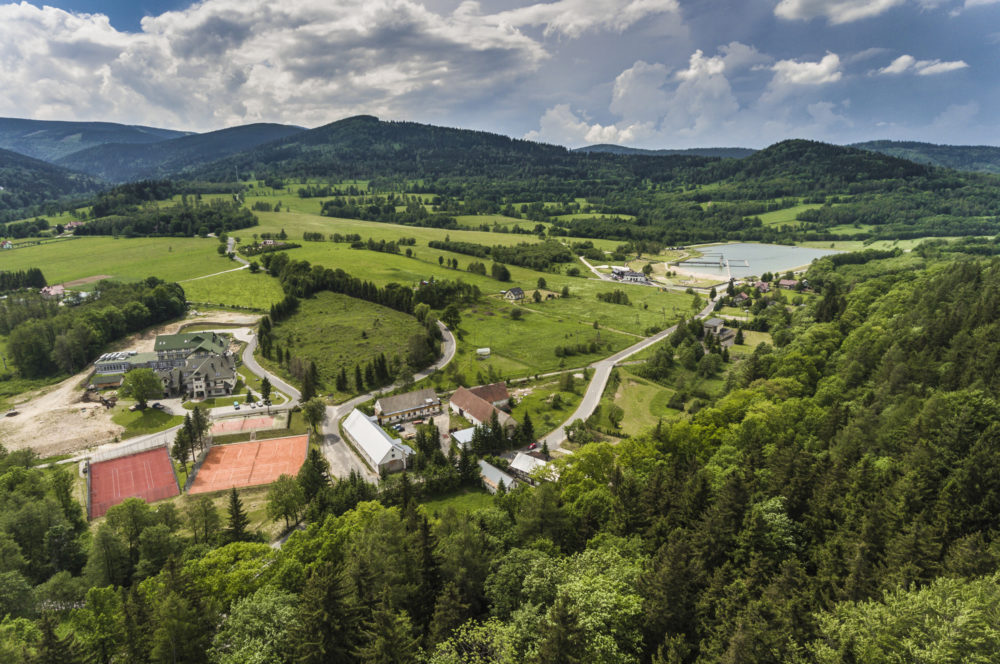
(224, 62)
(835, 11)
(572, 18)
(907, 63)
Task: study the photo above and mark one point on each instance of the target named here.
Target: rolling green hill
(981, 158)
(121, 162)
(50, 140)
(366, 147)
(25, 182)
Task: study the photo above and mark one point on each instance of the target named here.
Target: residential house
(6, 244)
(742, 297)
(409, 406)
(515, 294)
(635, 277)
(714, 326)
(57, 291)
(477, 410)
(762, 286)
(495, 393)
(788, 284)
(382, 452)
(493, 477)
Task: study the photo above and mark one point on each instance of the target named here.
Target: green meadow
(235, 289)
(338, 332)
(171, 259)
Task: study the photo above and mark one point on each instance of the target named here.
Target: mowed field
(235, 289)
(336, 331)
(171, 259)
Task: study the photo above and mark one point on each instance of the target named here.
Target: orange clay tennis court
(250, 464)
(237, 424)
(148, 475)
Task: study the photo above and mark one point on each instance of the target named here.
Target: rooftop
(403, 402)
(191, 341)
(373, 440)
(493, 392)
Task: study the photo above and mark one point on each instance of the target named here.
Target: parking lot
(409, 429)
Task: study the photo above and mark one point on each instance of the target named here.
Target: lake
(746, 259)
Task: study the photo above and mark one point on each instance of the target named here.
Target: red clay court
(237, 424)
(250, 464)
(148, 475)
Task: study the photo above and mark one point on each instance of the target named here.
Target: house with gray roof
(493, 476)
(409, 406)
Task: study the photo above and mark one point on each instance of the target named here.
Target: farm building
(493, 477)
(495, 393)
(381, 451)
(463, 437)
(477, 410)
(409, 406)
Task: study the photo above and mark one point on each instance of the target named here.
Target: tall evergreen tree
(53, 649)
(388, 638)
(562, 637)
(236, 530)
(326, 630)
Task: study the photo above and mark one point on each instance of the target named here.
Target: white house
(463, 437)
(381, 451)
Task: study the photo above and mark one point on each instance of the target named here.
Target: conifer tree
(325, 632)
(52, 649)
(236, 530)
(387, 638)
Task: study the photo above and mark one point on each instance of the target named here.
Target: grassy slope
(241, 288)
(327, 329)
(170, 259)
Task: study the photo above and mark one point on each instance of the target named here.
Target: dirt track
(54, 420)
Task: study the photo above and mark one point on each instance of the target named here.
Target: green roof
(142, 358)
(191, 341)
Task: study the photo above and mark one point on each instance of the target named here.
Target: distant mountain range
(978, 158)
(26, 181)
(721, 153)
(51, 140)
(120, 162)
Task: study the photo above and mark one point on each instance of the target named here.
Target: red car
(532, 446)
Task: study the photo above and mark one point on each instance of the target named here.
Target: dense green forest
(46, 339)
(27, 184)
(838, 503)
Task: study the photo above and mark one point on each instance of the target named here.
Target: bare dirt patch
(85, 280)
(54, 420)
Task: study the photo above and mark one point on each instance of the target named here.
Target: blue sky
(648, 73)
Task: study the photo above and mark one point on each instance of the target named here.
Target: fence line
(165, 438)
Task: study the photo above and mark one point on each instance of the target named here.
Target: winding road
(602, 372)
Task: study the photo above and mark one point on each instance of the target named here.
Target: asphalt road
(340, 456)
(602, 371)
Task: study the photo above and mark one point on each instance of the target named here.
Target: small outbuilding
(515, 294)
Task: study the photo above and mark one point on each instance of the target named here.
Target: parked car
(532, 446)
(10, 413)
(253, 404)
(158, 406)
(236, 405)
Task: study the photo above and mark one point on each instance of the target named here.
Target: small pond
(743, 259)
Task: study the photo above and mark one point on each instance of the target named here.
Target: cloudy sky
(647, 73)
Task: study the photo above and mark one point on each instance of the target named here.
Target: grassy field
(642, 401)
(751, 340)
(171, 259)
(785, 217)
(526, 347)
(539, 403)
(141, 422)
(336, 331)
(464, 500)
(236, 289)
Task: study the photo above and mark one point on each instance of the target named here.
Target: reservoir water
(746, 259)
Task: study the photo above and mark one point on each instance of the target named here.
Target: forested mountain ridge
(366, 147)
(50, 139)
(120, 162)
(981, 158)
(26, 182)
(722, 153)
